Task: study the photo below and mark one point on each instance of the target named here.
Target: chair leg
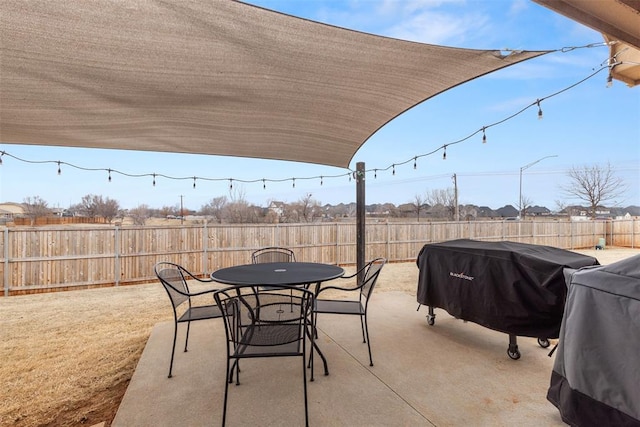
(173, 348)
(226, 392)
(186, 340)
(366, 328)
(235, 367)
(304, 380)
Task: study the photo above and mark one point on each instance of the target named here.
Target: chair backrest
(286, 313)
(173, 280)
(371, 276)
(273, 254)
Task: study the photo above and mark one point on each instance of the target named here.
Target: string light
(539, 110)
(264, 184)
(294, 182)
(375, 173)
(350, 173)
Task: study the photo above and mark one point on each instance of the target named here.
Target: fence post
(116, 246)
(337, 254)
(205, 247)
(388, 243)
(6, 262)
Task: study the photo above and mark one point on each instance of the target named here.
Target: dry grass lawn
(67, 357)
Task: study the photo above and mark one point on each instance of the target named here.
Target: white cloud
(438, 28)
(517, 7)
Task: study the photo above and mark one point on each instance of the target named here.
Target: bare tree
(108, 208)
(167, 210)
(35, 207)
(307, 209)
(94, 206)
(215, 208)
(524, 206)
(418, 205)
(139, 214)
(443, 201)
(88, 206)
(468, 212)
(595, 185)
(238, 210)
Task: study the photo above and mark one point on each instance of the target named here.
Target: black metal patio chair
(273, 254)
(261, 323)
(353, 307)
(185, 310)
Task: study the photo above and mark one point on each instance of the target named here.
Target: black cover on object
(511, 287)
(596, 372)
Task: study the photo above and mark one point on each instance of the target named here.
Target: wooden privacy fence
(36, 259)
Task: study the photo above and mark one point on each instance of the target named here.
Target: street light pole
(524, 168)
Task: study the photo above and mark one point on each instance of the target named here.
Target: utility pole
(181, 211)
(455, 197)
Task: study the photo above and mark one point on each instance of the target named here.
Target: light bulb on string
(264, 184)
(321, 180)
(393, 169)
(230, 184)
(59, 170)
(444, 154)
(154, 179)
(294, 182)
(539, 110)
(194, 182)
(1, 154)
(109, 170)
(484, 135)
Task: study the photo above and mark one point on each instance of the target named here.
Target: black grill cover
(511, 287)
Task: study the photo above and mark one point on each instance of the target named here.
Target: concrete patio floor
(450, 374)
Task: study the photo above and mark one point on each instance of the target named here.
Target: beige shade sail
(619, 23)
(211, 77)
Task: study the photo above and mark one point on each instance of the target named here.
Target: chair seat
(266, 340)
(200, 313)
(338, 307)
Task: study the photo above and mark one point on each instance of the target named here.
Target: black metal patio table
(281, 274)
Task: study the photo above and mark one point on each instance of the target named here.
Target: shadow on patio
(450, 374)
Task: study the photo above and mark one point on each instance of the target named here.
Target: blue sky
(590, 124)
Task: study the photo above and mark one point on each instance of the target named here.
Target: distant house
(277, 208)
(538, 211)
(10, 210)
